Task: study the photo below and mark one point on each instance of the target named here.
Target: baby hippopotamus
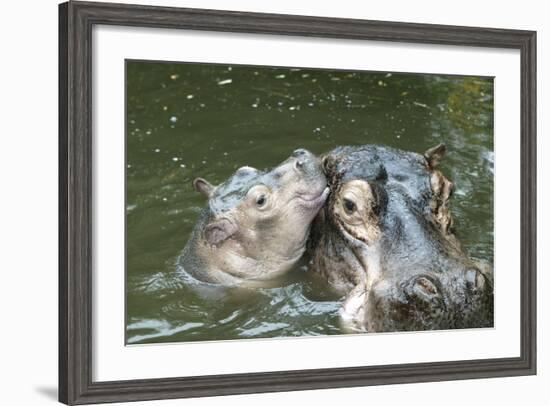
(256, 224)
(385, 239)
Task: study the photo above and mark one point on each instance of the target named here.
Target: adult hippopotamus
(385, 239)
(256, 224)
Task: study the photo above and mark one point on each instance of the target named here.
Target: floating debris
(157, 150)
(174, 76)
(420, 104)
(165, 108)
(182, 165)
(388, 75)
(173, 119)
(190, 96)
(281, 76)
(225, 82)
(175, 159)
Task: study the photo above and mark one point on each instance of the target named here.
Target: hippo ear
(434, 155)
(328, 165)
(203, 187)
(218, 231)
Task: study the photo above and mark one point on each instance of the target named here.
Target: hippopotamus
(385, 240)
(255, 225)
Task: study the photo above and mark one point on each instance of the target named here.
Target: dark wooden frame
(76, 20)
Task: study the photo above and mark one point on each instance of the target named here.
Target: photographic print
(327, 189)
(268, 202)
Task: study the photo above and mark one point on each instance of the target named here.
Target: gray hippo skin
(385, 240)
(256, 224)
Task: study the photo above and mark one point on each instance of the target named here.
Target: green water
(190, 120)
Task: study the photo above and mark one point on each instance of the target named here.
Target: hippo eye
(349, 206)
(260, 200)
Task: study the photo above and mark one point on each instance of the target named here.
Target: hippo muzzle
(429, 301)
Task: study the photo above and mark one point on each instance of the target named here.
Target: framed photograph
(259, 202)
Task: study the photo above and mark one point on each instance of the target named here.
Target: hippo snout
(461, 298)
(303, 157)
(300, 152)
(428, 288)
(306, 162)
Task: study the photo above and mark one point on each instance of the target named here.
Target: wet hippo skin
(385, 239)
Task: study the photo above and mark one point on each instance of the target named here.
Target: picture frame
(76, 352)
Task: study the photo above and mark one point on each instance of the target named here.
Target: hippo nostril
(422, 287)
(300, 164)
(299, 152)
(474, 279)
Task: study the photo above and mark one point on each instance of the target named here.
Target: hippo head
(388, 235)
(256, 224)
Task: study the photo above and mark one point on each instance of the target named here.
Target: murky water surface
(190, 120)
